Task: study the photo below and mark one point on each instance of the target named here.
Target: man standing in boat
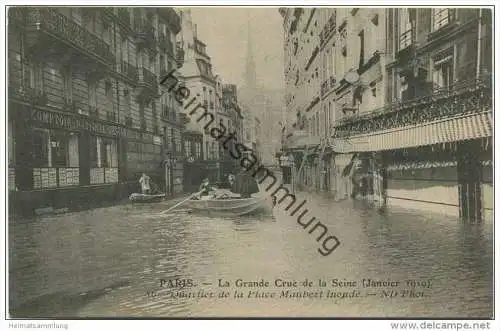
(205, 188)
(144, 181)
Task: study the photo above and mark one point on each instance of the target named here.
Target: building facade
(198, 77)
(404, 107)
(84, 118)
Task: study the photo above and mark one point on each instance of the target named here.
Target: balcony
(33, 96)
(128, 121)
(124, 20)
(129, 71)
(169, 114)
(148, 86)
(444, 20)
(166, 45)
(466, 97)
(171, 17)
(50, 33)
(93, 112)
(111, 116)
(179, 55)
(145, 36)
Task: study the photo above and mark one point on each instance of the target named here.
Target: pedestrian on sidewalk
(144, 181)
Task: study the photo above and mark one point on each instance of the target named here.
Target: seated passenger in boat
(205, 188)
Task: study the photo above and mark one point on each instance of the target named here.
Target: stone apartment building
(85, 118)
(404, 106)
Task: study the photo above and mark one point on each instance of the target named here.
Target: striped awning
(472, 126)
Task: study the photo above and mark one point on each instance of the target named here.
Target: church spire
(250, 73)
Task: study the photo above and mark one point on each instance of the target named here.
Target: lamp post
(170, 162)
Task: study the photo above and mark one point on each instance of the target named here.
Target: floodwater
(110, 262)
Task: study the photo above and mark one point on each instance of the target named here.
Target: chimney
(195, 31)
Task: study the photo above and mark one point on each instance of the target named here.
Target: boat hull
(139, 197)
(228, 207)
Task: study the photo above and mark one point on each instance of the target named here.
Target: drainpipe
(479, 36)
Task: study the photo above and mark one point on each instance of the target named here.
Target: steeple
(250, 73)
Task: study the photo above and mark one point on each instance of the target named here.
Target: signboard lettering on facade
(70, 122)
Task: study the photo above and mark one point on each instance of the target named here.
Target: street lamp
(170, 162)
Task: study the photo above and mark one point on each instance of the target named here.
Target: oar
(180, 203)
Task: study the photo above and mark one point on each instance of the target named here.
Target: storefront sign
(71, 122)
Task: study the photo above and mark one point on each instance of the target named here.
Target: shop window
(103, 160)
(55, 159)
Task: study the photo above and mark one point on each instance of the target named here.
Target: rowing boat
(228, 207)
(225, 204)
(140, 197)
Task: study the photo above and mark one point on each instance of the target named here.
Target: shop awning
(472, 126)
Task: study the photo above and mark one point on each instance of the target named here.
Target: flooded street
(103, 262)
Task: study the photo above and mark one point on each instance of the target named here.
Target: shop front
(64, 160)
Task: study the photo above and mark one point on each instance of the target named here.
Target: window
(55, 158)
(214, 150)
(68, 82)
(443, 71)
(93, 95)
(404, 28)
(187, 148)
(207, 148)
(198, 149)
(441, 17)
(34, 76)
(103, 160)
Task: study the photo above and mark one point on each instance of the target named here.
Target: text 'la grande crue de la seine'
(278, 288)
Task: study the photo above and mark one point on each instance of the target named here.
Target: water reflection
(106, 261)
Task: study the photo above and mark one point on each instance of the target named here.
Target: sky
(224, 31)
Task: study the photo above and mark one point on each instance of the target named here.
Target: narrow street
(102, 262)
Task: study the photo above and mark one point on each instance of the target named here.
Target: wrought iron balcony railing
(145, 34)
(166, 45)
(111, 116)
(56, 24)
(148, 78)
(464, 97)
(405, 39)
(169, 114)
(179, 55)
(172, 18)
(34, 96)
(130, 71)
(124, 16)
(128, 121)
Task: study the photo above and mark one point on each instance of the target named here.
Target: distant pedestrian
(145, 183)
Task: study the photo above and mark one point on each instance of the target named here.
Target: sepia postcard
(250, 162)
